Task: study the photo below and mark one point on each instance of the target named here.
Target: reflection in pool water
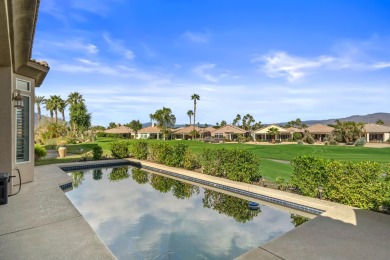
(140, 215)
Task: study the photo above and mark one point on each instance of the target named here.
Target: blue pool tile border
(285, 203)
(96, 165)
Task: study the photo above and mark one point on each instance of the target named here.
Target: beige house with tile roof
(376, 133)
(150, 132)
(19, 76)
(319, 131)
(263, 134)
(121, 130)
(185, 132)
(229, 132)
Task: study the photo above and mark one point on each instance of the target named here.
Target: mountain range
(369, 118)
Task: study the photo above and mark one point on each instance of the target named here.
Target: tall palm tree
(195, 97)
(49, 106)
(56, 102)
(38, 101)
(190, 113)
(61, 107)
(237, 120)
(75, 98)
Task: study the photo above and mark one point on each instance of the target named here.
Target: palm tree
(56, 102)
(61, 107)
(380, 122)
(237, 120)
(165, 120)
(75, 98)
(273, 131)
(190, 113)
(195, 97)
(49, 106)
(38, 101)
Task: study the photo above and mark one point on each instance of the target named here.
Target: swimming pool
(142, 215)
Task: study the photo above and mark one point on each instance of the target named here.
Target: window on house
(23, 131)
(22, 85)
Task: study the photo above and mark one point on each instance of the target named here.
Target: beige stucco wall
(6, 132)
(7, 129)
(386, 137)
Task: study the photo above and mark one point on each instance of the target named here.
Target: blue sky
(276, 60)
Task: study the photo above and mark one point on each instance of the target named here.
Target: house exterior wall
(386, 137)
(6, 129)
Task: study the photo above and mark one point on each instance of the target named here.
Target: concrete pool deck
(41, 223)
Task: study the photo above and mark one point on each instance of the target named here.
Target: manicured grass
(269, 169)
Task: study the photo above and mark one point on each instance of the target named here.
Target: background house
(150, 132)
(229, 132)
(319, 132)
(376, 133)
(263, 134)
(19, 76)
(121, 130)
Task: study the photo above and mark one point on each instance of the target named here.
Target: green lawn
(268, 168)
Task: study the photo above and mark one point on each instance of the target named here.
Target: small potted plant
(62, 149)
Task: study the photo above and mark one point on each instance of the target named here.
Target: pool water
(140, 215)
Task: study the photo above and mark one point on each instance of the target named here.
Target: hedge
(120, 149)
(139, 150)
(233, 164)
(363, 184)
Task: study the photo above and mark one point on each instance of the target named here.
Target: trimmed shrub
(233, 164)
(97, 152)
(308, 138)
(308, 174)
(159, 152)
(175, 159)
(40, 151)
(190, 160)
(364, 184)
(360, 142)
(101, 134)
(139, 150)
(300, 142)
(120, 149)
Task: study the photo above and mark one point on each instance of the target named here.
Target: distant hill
(370, 118)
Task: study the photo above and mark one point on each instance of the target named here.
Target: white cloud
(281, 64)
(118, 47)
(202, 71)
(196, 37)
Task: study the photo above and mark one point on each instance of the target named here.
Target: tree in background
(195, 97)
(49, 106)
(79, 117)
(247, 122)
(134, 125)
(111, 125)
(380, 122)
(223, 123)
(296, 123)
(165, 120)
(236, 120)
(257, 126)
(190, 113)
(348, 132)
(273, 131)
(74, 98)
(61, 108)
(38, 101)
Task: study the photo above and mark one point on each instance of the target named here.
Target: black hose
(20, 184)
